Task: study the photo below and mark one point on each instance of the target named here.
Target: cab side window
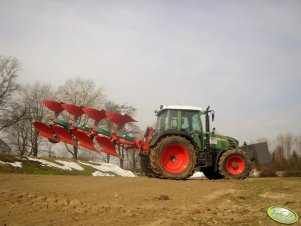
(196, 123)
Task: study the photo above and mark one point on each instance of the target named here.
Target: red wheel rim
(175, 158)
(235, 164)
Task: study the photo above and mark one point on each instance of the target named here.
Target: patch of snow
(101, 174)
(17, 164)
(14, 164)
(98, 167)
(255, 173)
(102, 168)
(121, 172)
(72, 165)
(107, 167)
(51, 164)
(197, 175)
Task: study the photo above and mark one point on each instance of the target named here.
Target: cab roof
(177, 107)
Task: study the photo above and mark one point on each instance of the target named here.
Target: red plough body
(92, 138)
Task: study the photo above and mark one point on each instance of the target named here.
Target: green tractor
(179, 145)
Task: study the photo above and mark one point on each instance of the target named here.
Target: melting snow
(121, 172)
(65, 165)
(102, 169)
(51, 164)
(15, 164)
(72, 165)
(197, 175)
(101, 174)
(107, 167)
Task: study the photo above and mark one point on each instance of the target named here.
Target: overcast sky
(241, 57)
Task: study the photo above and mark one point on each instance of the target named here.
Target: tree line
(286, 154)
(20, 105)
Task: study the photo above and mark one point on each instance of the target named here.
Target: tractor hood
(218, 141)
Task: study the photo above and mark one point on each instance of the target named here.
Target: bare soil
(82, 200)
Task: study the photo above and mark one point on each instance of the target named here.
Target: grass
(34, 167)
(9, 158)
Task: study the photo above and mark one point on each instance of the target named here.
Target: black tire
(234, 164)
(174, 157)
(146, 166)
(211, 174)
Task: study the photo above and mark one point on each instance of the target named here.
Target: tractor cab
(179, 120)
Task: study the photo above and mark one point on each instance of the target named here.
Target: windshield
(179, 120)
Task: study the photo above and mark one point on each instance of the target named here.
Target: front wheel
(174, 157)
(234, 163)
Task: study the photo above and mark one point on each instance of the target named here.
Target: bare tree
(80, 92)
(19, 137)
(284, 145)
(36, 110)
(22, 135)
(9, 68)
(298, 145)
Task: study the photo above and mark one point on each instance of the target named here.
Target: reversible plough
(93, 138)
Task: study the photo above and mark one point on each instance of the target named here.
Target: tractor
(180, 144)
(174, 149)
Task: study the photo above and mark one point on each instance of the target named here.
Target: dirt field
(79, 200)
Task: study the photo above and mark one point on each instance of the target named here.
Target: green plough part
(62, 123)
(126, 137)
(103, 132)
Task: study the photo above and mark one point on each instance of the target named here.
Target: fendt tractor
(174, 149)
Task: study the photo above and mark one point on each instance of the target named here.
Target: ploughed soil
(83, 200)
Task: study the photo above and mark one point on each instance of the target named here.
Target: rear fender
(157, 137)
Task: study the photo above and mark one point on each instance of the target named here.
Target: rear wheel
(146, 166)
(174, 157)
(234, 163)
